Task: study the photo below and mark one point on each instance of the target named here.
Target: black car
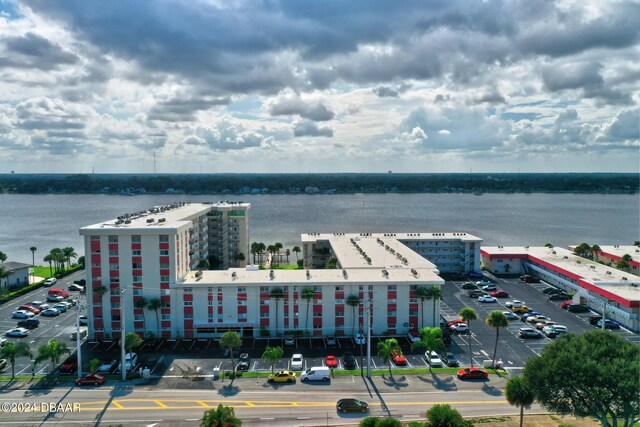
(476, 293)
(530, 279)
(243, 362)
(578, 308)
(469, 285)
(559, 297)
(593, 320)
(348, 361)
(450, 359)
(352, 405)
(29, 323)
(551, 291)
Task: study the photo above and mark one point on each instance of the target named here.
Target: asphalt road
(300, 404)
(59, 327)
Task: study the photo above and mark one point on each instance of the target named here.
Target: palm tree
(519, 394)
(278, 246)
(231, 340)
(353, 301)
(423, 294)
(222, 416)
(430, 340)
(141, 303)
(277, 294)
(307, 295)
(468, 314)
(296, 250)
(52, 351)
(11, 351)
(386, 349)
(594, 250)
(272, 355)
(288, 252)
(261, 248)
(238, 257)
(33, 250)
(49, 259)
(435, 293)
(155, 305)
(69, 253)
(57, 257)
(497, 320)
(254, 250)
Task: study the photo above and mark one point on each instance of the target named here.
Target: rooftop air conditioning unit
(162, 219)
(414, 272)
(150, 220)
(234, 275)
(308, 274)
(344, 273)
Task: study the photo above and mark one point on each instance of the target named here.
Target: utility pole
(368, 311)
(123, 365)
(78, 341)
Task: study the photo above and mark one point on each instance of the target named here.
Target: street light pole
(78, 342)
(368, 335)
(123, 364)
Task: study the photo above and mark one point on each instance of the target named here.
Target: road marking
(117, 405)
(249, 404)
(204, 405)
(160, 404)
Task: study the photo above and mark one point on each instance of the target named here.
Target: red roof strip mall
(594, 284)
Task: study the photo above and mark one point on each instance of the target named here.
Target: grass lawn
(40, 271)
(283, 267)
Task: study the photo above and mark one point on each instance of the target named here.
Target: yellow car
(282, 377)
(521, 309)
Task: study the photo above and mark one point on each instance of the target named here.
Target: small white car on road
(17, 332)
(433, 359)
(487, 298)
(22, 314)
(297, 362)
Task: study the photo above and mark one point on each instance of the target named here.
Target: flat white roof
(383, 252)
(263, 277)
(465, 237)
(602, 276)
(162, 217)
(619, 251)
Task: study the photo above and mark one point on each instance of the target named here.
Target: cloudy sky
(335, 86)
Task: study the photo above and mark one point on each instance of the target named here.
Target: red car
(331, 361)
(27, 307)
(90, 379)
(398, 358)
(455, 322)
(565, 304)
(500, 294)
(69, 366)
(473, 374)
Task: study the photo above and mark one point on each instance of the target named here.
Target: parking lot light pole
(78, 342)
(123, 366)
(368, 310)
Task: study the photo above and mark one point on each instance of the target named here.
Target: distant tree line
(329, 182)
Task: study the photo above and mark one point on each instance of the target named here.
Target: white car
(413, 336)
(359, 339)
(17, 332)
(433, 359)
(130, 360)
(83, 320)
(52, 312)
(459, 328)
(289, 340)
(331, 340)
(3, 341)
(514, 303)
(22, 314)
(41, 305)
(50, 282)
(54, 298)
(296, 362)
(487, 298)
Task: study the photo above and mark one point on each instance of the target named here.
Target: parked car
(577, 308)
(514, 303)
(17, 332)
(529, 279)
(500, 294)
(551, 290)
(62, 308)
(22, 314)
(433, 359)
(450, 359)
(469, 285)
(90, 379)
(58, 291)
(348, 361)
(331, 340)
(459, 328)
(130, 360)
(490, 288)
(529, 333)
(549, 332)
(3, 341)
(473, 374)
(297, 362)
(608, 324)
(29, 323)
(398, 358)
(331, 361)
(108, 366)
(559, 297)
(530, 314)
(27, 307)
(316, 373)
(413, 336)
(282, 377)
(484, 282)
(352, 405)
(359, 339)
(3, 364)
(510, 315)
(521, 309)
(536, 319)
(565, 304)
(594, 318)
(39, 304)
(476, 293)
(69, 366)
(81, 282)
(50, 312)
(289, 340)
(542, 324)
(487, 298)
(455, 322)
(83, 320)
(243, 362)
(55, 298)
(50, 282)
(74, 287)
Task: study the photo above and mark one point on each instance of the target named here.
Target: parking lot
(60, 327)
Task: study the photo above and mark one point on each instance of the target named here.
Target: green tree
(222, 416)
(278, 246)
(583, 250)
(154, 305)
(296, 250)
(94, 365)
(52, 351)
(307, 295)
(141, 303)
(11, 351)
(254, 250)
(548, 245)
(594, 374)
(435, 293)
(594, 250)
(636, 243)
(423, 294)
(3, 257)
(261, 248)
(276, 294)
(287, 253)
(353, 301)
(203, 264)
(272, 250)
(369, 422)
(33, 250)
(468, 314)
(386, 349)
(81, 261)
(271, 355)
(496, 320)
(443, 415)
(131, 341)
(519, 394)
(69, 253)
(231, 340)
(239, 257)
(430, 340)
(49, 258)
(623, 265)
(57, 255)
(3, 273)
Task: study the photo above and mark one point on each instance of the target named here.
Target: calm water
(48, 221)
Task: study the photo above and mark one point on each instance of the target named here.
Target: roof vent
(414, 271)
(234, 275)
(344, 274)
(385, 273)
(162, 219)
(199, 273)
(308, 275)
(272, 274)
(624, 278)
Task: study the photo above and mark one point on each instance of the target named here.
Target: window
(94, 238)
(115, 292)
(219, 302)
(113, 252)
(164, 278)
(264, 315)
(138, 317)
(165, 304)
(164, 252)
(188, 316)
(113, 239)
(390, 288)
(136, 265)
(115, 306)
(413, 312)
(361, 288)
(317, 326)
(97, 316)
(163, 265)
(188, 303)
(136, 239)
(114, 279)
(391, 313)
(317, 314)
(391, 300)
(166, 317)
(242, 315)
(339, 288)
(115, 318)
(317, 301)
(339, 313)
(210, 290)
(339, 301)
(188, 290)
(317, 289)
(136, 253)
(264, 289)
(242, 302)
(370, 287)
(137, 279)
(95, 264)
(164, 239)
(137, 292)
(114, 266)
(264, 302)
(242, 289)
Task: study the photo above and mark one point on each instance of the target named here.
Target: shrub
(442, 415)
(369, 422)
(388, 422)
(417, 424)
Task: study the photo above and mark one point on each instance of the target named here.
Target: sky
(190, 86)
